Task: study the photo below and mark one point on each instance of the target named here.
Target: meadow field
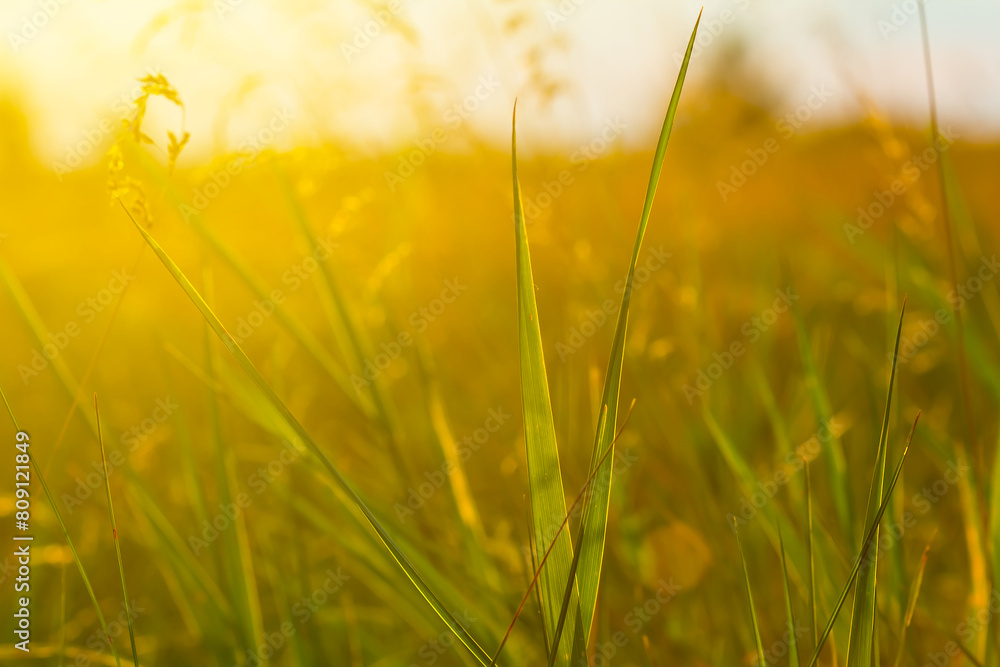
(347, 400)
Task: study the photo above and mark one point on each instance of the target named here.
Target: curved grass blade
(864, 548)
(753, 610)
(40, 331)
(340, 483)
(62, 524)
(911, 604)
(538, 569)
(284, 316)
(793, 649)
(859, 648)
(812, 558)
(834, 451)
(548, 501)
(589, 575)
(114, 531)
(577, 550)
(352, 337)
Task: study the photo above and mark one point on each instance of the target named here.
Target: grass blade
(812, 558)
(863, 618)
(567, 596)
(344, 489)
(541, 563)
(911, 604)
(793, 649)
(293, 325)
(62, 524)
(864, 549)
(753, 611)
(548, 502)
(834, 451)
(114, 531)
(596, 526)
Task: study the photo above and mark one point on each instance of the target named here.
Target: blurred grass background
(394, 249)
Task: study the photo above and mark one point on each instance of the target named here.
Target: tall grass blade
(753, 609)
(812, 557)
(834, 451)
(861, 558)
(567, 596)
(589, 575)
(548, 502)
(292, 324)
(62, 524)
(345, 490)
(114, 531)
(911, 604)
(344, 322)
(793, 649)
(40, 332)
(859, 652)
(541, 563)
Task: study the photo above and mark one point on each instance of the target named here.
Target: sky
(377, 75)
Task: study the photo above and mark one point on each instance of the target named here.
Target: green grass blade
(114, 531)
(167, 542)
(793, 649)
(548, 502)
(567, 596)
(863, 619)
(285, 317)
(340, 483)
(911, 604)
(812, 557)
(753, 610)
(62, 524)
(589, 575)
(235, 543)
(353, 339)
(40, 332)
(541, 563)
(864, 549)
(834, 451)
